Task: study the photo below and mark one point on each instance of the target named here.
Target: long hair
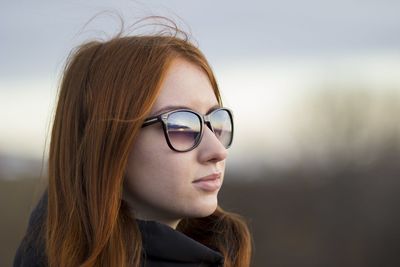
(106, 92)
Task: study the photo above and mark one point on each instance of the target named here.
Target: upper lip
(212, 176)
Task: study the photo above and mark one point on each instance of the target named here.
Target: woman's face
(159, 183)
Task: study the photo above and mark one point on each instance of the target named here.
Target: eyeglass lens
(222, 126)
(184, 128)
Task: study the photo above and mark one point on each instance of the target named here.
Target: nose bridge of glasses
(207, 121)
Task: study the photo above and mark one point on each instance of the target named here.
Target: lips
(209, 183)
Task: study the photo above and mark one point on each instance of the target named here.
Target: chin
(205, 209)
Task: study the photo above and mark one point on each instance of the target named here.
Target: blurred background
(315, 90)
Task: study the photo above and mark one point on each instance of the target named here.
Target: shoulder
(31, 251)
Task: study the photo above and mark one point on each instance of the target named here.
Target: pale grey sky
(36, 35)
(269, 49)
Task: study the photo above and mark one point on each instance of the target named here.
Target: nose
(210, 148)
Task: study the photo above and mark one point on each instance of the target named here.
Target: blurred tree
(342, 125)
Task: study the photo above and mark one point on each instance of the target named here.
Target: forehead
(186, 84)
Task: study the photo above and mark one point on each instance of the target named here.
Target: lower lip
(209, 185)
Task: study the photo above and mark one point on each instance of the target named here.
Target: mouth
(209, 183)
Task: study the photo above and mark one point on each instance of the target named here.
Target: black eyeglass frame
(204, 119)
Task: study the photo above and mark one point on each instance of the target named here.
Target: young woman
(137, 157)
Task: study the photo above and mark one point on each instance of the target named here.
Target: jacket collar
(162, 242)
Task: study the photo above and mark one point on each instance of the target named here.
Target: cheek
(155, 171)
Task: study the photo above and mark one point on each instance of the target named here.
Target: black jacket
(162, 245)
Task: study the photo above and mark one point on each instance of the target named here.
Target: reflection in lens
(183, 128)
(222, 126)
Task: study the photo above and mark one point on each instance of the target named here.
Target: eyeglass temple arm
(151, 121)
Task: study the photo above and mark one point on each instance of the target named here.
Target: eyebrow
(172, 107)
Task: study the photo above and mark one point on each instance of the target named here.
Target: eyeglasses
(183, 128)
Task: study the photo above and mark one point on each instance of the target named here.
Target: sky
(266, 56)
